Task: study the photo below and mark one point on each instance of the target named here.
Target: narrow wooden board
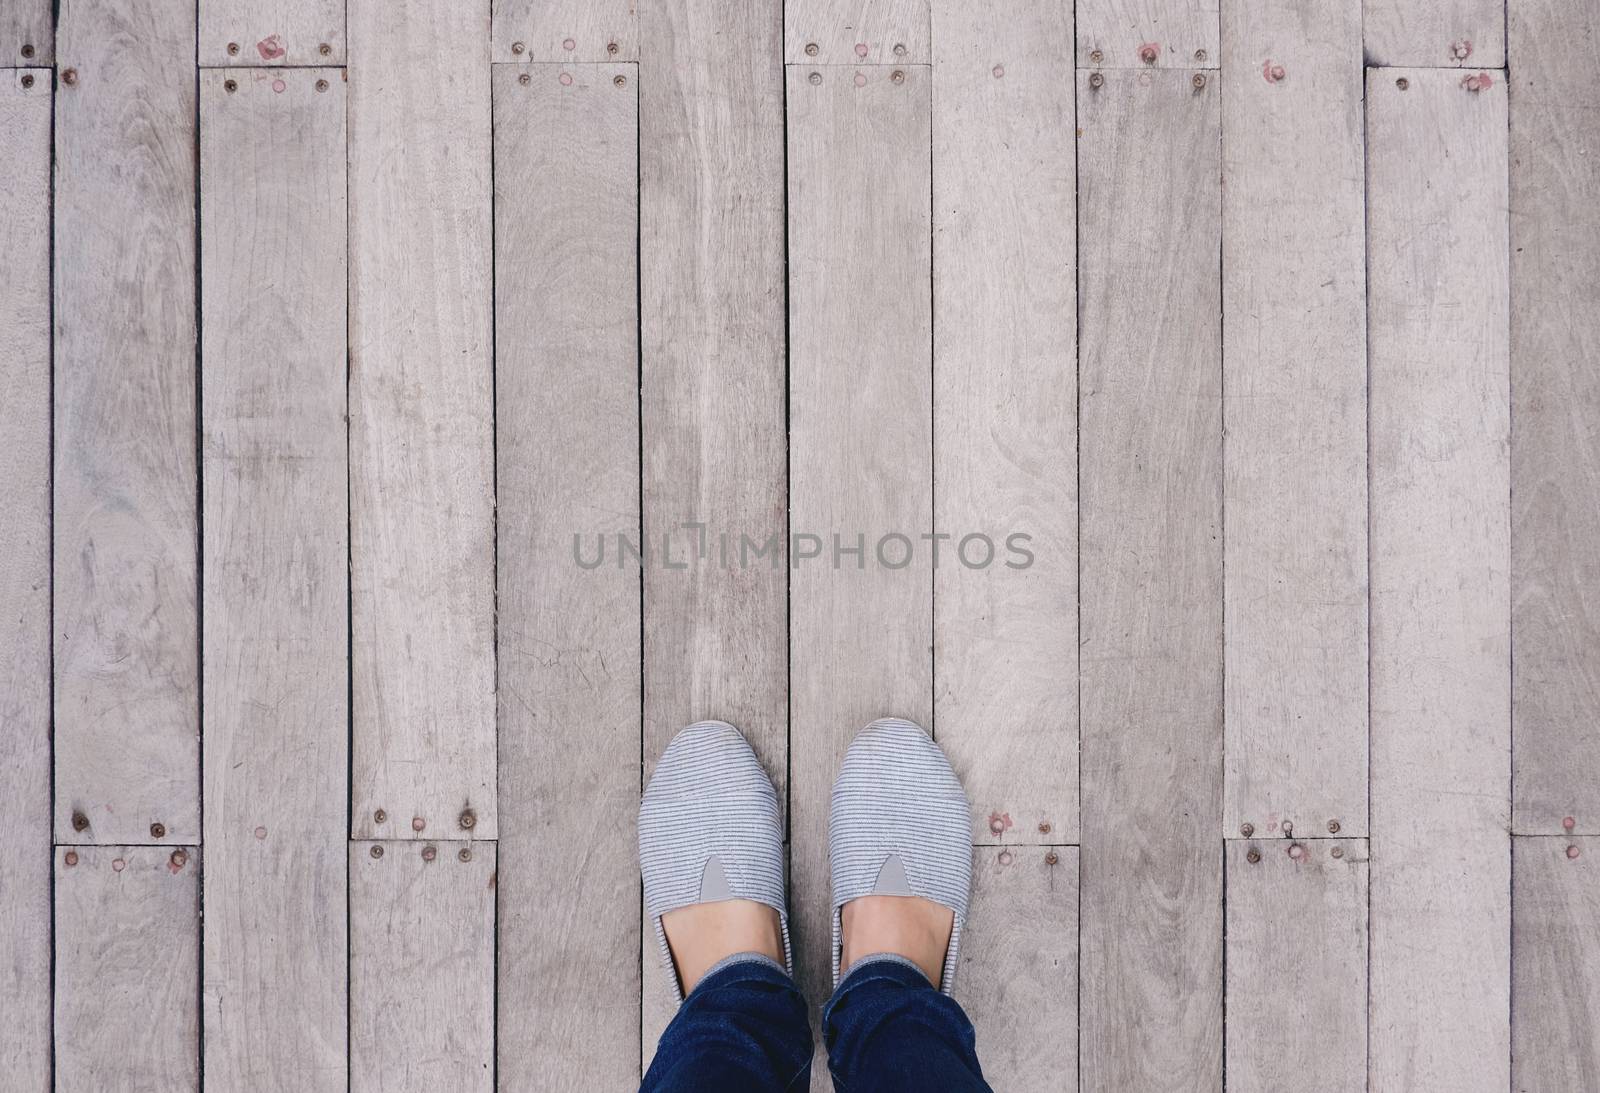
(860, 415)
(25, 579)
(127, 956)
(1150, 444)
(567, 328)
(421, 421)
(857, 32)
(127, 735)
(27, 33)
(1555, 957)
(1018, 979)
(1297, 965)
(1555, 419)
(275, 560)
(422, 967)
(1005, 416)
(1295, 372)
(1439, 33)
(716, 641)
(1182, 34)
(1437, 240)
(255, 33)
(568, 30)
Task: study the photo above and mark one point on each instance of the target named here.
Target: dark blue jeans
(745, 1029)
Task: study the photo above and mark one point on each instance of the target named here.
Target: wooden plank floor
(417, 410)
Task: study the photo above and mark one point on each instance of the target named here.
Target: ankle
(910, 927)
(703, 934)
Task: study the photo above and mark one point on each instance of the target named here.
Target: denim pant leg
(889, 1031)
(744, 1029)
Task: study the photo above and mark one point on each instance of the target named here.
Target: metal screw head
(322, 85)
(1051, 858)
(897, 76)
(1333, 827)
(1252, 856)
(418, 823)
(613, 49)
(79, 821)
(1247, 829)
(376, 851)
(1199, 81)
(1568, 823)
(158, 830)
(620, 81)
(1402, 83)
(1199, 54)
(27, 79)
(429, 853)
(179, 859)
(465, 854)
(899, 49)
(27, 50)
(69, 76)
(230, 86)
(1573, 852)
(1297, 851)
(1096, 80)
(1288, 827)
(71, 857)
(815, 77)
(1096, 56)
(380, 816)
(325, 49)
(1005, 857)
(1337, 852)
(1149, 54)
(1044, 827)
(518, 48)
(812, 49)
(569, 44)
(524, 79)
(469, 818)
(233, 49)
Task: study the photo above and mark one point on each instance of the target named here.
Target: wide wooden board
(711, 194)
(568, 30)
(860, 463)
(857, 32)
(1441, 774)
(421, 421)
(1297, 965)
(1148, 33)
(1295, 373)
(1555, 957)
(1440, 33)
(1005, 416)
(275, 560)
(127, 731)
(1150, 445)
(127, 964)
(1018, 979)
(422, 946)
(258, 33)
(25, 579)
(27, 33)
(1555, 418)
(567, 392)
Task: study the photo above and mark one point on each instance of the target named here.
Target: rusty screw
(812, 49)
(233, 49)
(158, 830)
(620, 81)
(230, 86)
(465, 854)
(1096, 56)
(899, 49)
(71, 857)
(518, 48)
(27, 80)
(1199, 81)
(27, 51)
(179, 859)
(469, 819)
(1573, 852)
(1051, 858)
(1148, 53)
(1333, 827)
(376, 851)
(380, 817)
(1568, 823)
(322, 85)
(1005, 857)
(1297, 851)
(613, 49)
(69, 76)
(1288, 827)
(429, 853)
(418, 823)
(1096, 80)
(325, 49)
(524, 79)
(1200, 55)
(1252, 856)
(815, 77)
(1247, 829)
(1044, 827)
(1402, 83)
(79, 821)
(897, 76)
(1337, 852)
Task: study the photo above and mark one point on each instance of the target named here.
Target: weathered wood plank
(271, 32)
(712, 243)
(1295, 372)
(1555, 442)
(127, 740)
(1018, 980)
(127, 952)
(1150, 444)
(1297, 965)
(25, 579)
(1437, 240)
(1555, 957)
(27, 32)
(567, 30)
(1141, 33)
(1438, 33)
(860, 414)
(421, 420)
(848, 32)
(422, 922)
(275, 560)
(1005, 416)
(566, 315)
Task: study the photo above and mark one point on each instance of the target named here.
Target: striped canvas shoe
(709, 830)
(900, 825)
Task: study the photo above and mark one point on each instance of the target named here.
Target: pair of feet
(899, 849)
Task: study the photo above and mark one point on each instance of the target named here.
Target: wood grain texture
(258, 33)
(1150, 444)
(127, 955)
(1297, 965)
(1295, 373)
(1555, 419)
(1438, 33)
(275, 562)
(860, 413)
(1437, 240)
(1018, 979)
(421, 419)
(25, 579)
(712, 247)
(566, 30)
(1555, 957)
(422, 967)
(1176, 33)
(127, 739)
(27, 33)
(851, 32)
(1005, 416)
(566, 315)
